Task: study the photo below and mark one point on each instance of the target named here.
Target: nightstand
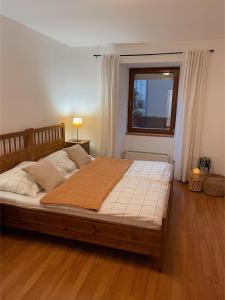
(84, 144)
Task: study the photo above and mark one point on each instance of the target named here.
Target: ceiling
(100, 22)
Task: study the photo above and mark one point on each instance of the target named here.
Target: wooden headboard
(30, 144)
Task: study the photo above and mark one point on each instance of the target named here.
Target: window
(153, 100)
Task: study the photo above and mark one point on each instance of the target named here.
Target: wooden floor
(40, 267)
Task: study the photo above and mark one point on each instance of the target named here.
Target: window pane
(152, 100)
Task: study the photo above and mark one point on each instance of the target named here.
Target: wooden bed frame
(33, 144)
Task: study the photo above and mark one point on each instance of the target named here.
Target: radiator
(138, 155)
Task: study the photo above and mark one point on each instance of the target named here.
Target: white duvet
(138, 199)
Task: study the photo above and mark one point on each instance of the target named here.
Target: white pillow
(18, 181)
(61, 160)
(24, 164)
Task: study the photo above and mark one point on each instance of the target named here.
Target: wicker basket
(213, 185)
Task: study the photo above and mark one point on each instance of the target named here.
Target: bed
(125, 232)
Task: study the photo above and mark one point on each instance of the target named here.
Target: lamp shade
(77, 122)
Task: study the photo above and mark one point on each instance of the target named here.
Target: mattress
(138, 199)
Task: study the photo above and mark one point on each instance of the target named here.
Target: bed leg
(159, 264)
(160, 259)
(164, 233)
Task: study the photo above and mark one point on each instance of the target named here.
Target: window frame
(153, 131)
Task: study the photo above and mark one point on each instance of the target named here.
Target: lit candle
(196, 171)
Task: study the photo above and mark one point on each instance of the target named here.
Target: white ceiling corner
(79, 23)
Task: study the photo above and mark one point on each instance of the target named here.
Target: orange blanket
(89, 187)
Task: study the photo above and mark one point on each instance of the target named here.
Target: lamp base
(76, 140)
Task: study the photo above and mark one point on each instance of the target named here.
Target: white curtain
(110, 87)
(188, 133)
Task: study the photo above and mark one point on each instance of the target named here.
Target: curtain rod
(152, 54)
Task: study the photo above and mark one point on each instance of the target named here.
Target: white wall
(45, 82)
(87, 96)
(36, 81)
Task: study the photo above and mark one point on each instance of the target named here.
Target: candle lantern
(195, 180)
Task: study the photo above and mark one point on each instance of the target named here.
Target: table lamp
(77, 122)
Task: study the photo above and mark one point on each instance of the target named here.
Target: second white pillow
(60, 160)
